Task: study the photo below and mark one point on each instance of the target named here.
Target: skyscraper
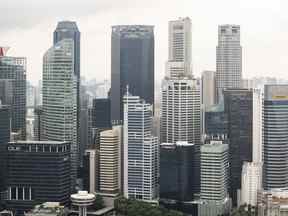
(275, 132)
(132, 64)
(59, 117)
(243, 108)
(214, 179)
(180, 40)
(140, 151)
(13, 89)
(228, 59)
(181, 111)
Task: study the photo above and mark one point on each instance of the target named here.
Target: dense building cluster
(205, 147)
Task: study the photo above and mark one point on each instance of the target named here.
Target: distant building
(251, 183)
(177, 172)
(140, 151)
(228, 59)
(208, 88)
(13, 89)
(132, 64)
(38, 171)
(275, 167)
(214, 196)
(38, 114)
(91, 170)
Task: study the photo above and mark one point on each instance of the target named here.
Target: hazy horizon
(27, 28)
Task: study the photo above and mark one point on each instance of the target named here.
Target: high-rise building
(208, 87)
(110, 160)
(4, 139)
(101, 117)
(38, 113)
(38, 171)
(91, 170)
(180, 40)
(181, 111)
(13, 89)
(132, 64)
(140, 151)
(59, 121)
(177, 172)
(251, 183)
(228, 59)
(275, 168)
(214, 198)
(243, 108)
(69, 30)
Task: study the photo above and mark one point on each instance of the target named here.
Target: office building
(38, 171)
(91, 170)
(4, 139)
(251, 183)
(177, 172)
(208, 87)
(275, 168)
(101, 117)
(38, 111)
(180, 40)
(243, 108)
(110, 160)
(228, 59)
(181, 111)
(214, 198)
(140, 151)
(132, 64)
(215, 122)
(59, 117)
(13, 89)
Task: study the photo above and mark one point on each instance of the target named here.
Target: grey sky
(27, 26)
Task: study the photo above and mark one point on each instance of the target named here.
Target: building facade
(132, 64)
(181, 111)
(251, 183)
(110, 160)
(13, 90)
(243, 108)
(38, 171)
(208, 88)
(214, 196)
(140, 151)
(228, 59)
(177, 172)
(275, 166)
(59, 120)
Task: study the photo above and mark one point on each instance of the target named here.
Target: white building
(214, 198)
(208, 87)
(228, 59)
(110, 160)
(140, 151)
(179, 60)
(251, 183)
(60, 99)
(181, 111)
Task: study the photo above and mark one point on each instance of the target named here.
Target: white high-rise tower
(228, 59)
(140, 151)
(59, 121)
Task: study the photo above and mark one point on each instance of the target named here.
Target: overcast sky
(27, 27)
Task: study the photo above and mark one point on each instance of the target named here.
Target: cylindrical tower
(82, 199)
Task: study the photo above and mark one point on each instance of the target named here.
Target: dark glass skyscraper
(13, 90)
(132, 64)
(101, 117)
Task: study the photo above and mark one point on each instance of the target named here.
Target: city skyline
(265, 31)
